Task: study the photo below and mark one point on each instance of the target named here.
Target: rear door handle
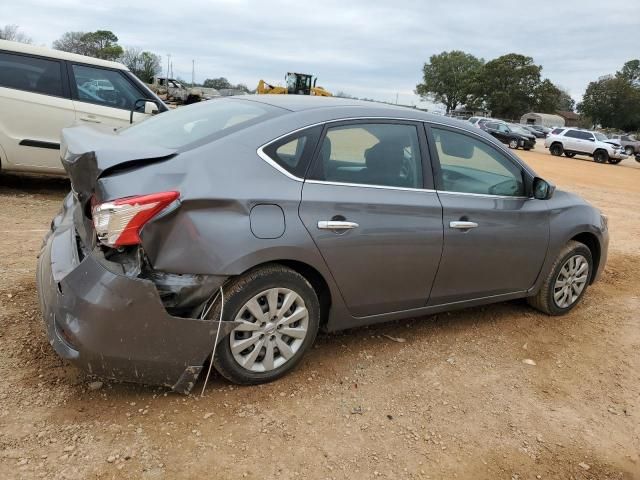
(336, 225)
(460, 225)
(90, 119)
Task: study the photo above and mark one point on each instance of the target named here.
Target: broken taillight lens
(118, 223)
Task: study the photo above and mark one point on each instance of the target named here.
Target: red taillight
(119, 222)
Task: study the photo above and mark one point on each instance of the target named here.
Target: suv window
(294, 151)
(557, 131)
(587, 135)
(371, 154)
(32, 74)
(572, 134)
(104, 87)
(468, 165)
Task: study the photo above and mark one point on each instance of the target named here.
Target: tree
(449, 77)
(631, 72)
(12, 33)
(144, 65)
(509, 85)
(100, 44)
(547, 97)
(217, 83)
(566, 103)
(612, 103)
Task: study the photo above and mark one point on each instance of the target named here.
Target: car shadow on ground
(33, 184)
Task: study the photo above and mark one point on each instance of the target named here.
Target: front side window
(31, 74)
(572, 134)
(371, 154)
(468, 165)
(104, 87)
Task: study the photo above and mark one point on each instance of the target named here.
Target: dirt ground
(453, 401)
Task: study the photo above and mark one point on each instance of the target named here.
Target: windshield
(600, 136)
(210, 120)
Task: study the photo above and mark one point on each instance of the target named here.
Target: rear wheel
(600, 156)
(628, 150)
(556, 149)
(567, 281)
(569, 154)
(279, 316)
(513, 143)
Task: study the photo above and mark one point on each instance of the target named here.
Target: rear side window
(200, 123)
(383, 154)
(572, 134)
(31, 74)
(557, 131)
(293, 152)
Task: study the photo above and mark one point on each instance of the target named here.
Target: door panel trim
(483, 195)
(383, 187)
(39, 144)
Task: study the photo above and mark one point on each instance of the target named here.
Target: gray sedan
(250, 223)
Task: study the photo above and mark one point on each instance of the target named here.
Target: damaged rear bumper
(113, 325)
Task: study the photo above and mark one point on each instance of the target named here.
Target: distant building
(571, 119)
(544, 119)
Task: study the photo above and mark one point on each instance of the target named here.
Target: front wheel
(556, 149)
(600, 156)
(513, 143)
(567, 281)
(279, 316)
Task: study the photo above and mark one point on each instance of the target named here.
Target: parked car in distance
(630, 143)
(480, 121)
(572, 142)
(533, 131)
(283, 214)
(42, 91)
(510, 134)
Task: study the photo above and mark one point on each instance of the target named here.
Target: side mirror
(150, 108)
(542, 190)
(591, 139)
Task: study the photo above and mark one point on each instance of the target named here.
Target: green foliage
(144, 65)
(449, 78)
(99, 44)
(509, 86)
(566, 103)
(612, 103)
(631, 72)
(217, 83)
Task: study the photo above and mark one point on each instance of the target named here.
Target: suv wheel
(556, 149)
(601, 156)
(279, 314)
(513, 143)
(567, 281)
(629, 150)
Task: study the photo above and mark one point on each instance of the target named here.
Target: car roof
(333, 108)
(18, 47)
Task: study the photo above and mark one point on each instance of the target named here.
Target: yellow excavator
(297, 84)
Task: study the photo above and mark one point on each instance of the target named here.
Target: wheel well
(318, 283)
(557, 143)
(592, 243)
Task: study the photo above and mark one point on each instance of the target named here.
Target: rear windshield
(201, 123)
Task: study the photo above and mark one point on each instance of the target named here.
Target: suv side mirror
(542, 190)
(150, 108)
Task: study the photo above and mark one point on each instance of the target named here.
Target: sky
(366, 48)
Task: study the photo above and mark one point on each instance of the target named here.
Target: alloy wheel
(513, 143)
(571, 281)
(273, 327)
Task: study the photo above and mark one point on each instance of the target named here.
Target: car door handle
(90, 119)
(336, 225)
(460, 225)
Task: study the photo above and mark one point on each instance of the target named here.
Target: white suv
(572, 142)
(42, 91)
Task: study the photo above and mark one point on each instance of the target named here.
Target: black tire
(544, 300)
(600, 156)
(569, 154)
(556, 149)
(629, 150)
(237, 294)
(614, 161)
